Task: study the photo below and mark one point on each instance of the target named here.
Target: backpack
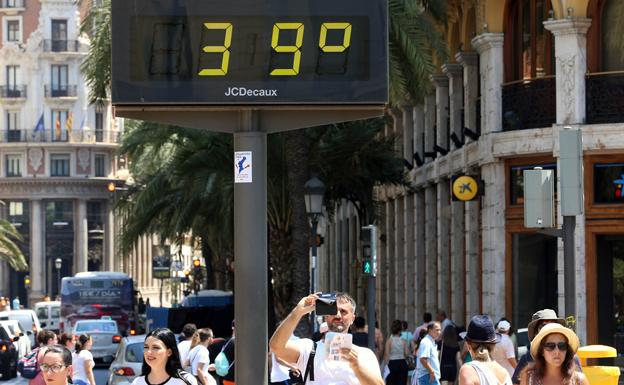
(28, 366)
(221, 362)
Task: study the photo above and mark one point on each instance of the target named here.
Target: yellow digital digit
(294, 49)
(223, 49)
(346, 40)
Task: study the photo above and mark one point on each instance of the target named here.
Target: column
(458, 257)
(109, 239)
(419, 249)
(81, 243)
(441, 83)
(419, 133)
(408, 252)
(493, 237)
(470, 62)
(490, 48)
(455, 74)
(397, 123)
(443, 223)
(391, 257)
(382, 266)
(430, 129)
(408, 133)
(571, 66)
(399, 259)
(473, 276)
(344, 257)
(431, 249)
(37, 252)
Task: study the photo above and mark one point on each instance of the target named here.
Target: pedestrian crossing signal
(367, 267)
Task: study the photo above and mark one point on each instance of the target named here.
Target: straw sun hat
(554, 328)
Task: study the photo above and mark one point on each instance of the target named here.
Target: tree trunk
(297, 155)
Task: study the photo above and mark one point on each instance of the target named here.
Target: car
(8, 356)
(105, 335)
(522, 339)
(28, 322)
(20, 340)
(128, 361)
(49, 313)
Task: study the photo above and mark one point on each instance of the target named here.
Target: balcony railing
(529, 104)
(11, 3)
(61, 91)
(605, 97)
(62, 135)
(12, 91)
(62, 45)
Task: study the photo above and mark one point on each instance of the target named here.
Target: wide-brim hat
(554, 328)
(481, 331)
(542, 315)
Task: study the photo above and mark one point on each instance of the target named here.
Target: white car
(105, 335)
(128, 361)
(20, 340)
(49, 313)
(28, 322)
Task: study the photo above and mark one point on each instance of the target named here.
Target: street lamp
(314, 192)
(58, 263)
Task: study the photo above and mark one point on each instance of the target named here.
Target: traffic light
(367, 237)
(187, 274)
(367, 267)
(27, 282)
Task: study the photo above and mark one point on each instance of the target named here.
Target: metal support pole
(569, 224)
(250, 250)
(313, 270)
(370, 309)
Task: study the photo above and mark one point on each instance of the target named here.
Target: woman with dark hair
(161, 361)
(553, 350)
(480, 340)
(83, 361)
(56, 365)
(67, 340)
(448, 355)
(395, 353)
(45, 338)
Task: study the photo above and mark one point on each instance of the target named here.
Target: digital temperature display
(249, 52)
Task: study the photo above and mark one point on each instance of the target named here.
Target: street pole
(372, 288)
(250, 250)
(58, 281)
(313, 270)
(569, 257)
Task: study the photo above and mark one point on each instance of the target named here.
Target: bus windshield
(97, 296)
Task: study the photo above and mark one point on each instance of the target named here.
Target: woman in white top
(83, 361)
(161, 361)
(394, 356)
(199, 358)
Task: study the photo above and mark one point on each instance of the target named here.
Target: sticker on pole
(242, 167)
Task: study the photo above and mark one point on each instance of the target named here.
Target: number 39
(224, 49)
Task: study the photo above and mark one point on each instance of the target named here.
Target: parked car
(28, 322)
(8, 356)
(105, 335)
(128, 361)
(20, 340)
(49, 313)
(522, 338)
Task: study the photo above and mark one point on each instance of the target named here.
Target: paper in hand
(336, 341)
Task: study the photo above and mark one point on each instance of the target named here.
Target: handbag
(411, 363)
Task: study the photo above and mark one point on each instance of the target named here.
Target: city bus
(95, 295)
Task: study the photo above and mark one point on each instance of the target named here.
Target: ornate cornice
(568, 26)
(487, 41)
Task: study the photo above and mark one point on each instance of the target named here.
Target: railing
(604, 99)
(61, 45)
(529, 103)
(11, 3)
(77, 135)
(13, 91)
(60, 91)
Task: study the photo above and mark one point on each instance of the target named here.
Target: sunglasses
(550, 346)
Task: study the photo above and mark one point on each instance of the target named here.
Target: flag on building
(39, 127)
(57, 127)
(69, 123)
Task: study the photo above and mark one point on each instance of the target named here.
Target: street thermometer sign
(249, 52)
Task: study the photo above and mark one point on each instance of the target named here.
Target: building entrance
(610, 269)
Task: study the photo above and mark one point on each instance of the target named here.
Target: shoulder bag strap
(310, 365)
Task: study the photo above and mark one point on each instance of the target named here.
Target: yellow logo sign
(465, 188)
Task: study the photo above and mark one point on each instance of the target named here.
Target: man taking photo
(357, 365)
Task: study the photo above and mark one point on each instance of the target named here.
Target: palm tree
(9, 250)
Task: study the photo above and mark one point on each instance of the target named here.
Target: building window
(59, 80)
(13, 131)
(13, 165)
(59, 35)
(13, 31)
(100, 165)
(530, 46)
(609, 183)
(59, 165)
(516, 179)
(99, 127)
(59, 126)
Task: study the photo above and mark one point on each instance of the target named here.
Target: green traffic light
(367, 267)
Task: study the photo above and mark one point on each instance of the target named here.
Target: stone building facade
(519, 71)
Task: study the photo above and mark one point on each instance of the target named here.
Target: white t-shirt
(199, 354)
(279, 372)
(503, 351)
(333, 372)
(172, 381)
(78, 363)
(183, 348)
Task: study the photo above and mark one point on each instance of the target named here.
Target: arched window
(529, 46)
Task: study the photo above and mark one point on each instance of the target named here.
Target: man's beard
(337, 327)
